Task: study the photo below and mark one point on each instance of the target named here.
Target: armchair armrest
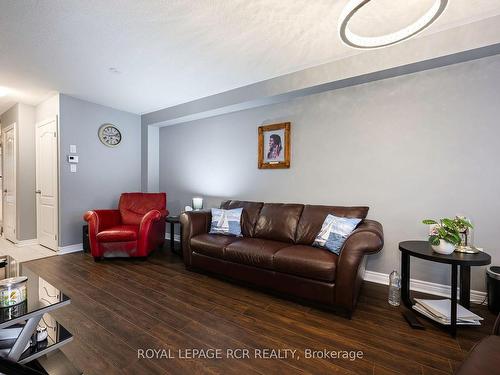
(100, 220)
(147, 222)
(151, 232)
(368, 238)
(193, 223)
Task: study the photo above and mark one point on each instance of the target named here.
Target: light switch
(72, 149)
(72, 168)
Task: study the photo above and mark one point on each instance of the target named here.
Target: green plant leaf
(429, 222)
(448, 223)
(434, 240)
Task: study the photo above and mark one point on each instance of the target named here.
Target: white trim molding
(23, 243)
(476, 296)
(70, 249)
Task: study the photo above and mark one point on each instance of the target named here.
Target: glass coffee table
(19, 323)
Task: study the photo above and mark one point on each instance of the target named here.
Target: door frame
(8, 128)
(37, 170)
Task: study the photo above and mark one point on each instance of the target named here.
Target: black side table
(174, 220)
(423, 250)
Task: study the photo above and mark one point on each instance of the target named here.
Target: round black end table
(423, 250)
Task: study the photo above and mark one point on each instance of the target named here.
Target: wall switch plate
(72, 168)
(73, 159)
(72, 149)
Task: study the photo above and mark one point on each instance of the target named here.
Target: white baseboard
(70, 249)
(23, 243)
(476, 296)
(177, 238)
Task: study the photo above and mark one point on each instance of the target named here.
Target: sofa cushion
(306, 261)
(278, 221)
(313, 217)
(255, 252)
(119, 233)
(483, 359)
(250, 214)
(211, 244)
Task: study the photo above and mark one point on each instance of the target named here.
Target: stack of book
(440, 311)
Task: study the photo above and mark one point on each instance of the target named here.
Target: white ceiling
(171, 52)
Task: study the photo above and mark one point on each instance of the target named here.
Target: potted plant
(445, 236)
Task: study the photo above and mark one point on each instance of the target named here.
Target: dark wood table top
(173, 219)
(423, 250)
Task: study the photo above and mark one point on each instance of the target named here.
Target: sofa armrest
(193, 223)
(368, 238)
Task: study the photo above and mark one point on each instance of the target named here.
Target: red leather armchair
(133, 230)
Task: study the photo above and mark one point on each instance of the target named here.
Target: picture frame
(274, 146)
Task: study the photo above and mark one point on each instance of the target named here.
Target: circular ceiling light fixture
(365, 42)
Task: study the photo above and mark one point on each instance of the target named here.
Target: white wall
(47, 109)
(416, 146)
(153, 159)
(103, 173)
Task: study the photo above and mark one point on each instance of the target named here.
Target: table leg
(180, 242)
(465, 286)
(454, 282)
(24, 338)
(172, 230)
(405, 280)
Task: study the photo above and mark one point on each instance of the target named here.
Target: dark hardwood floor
(120, 306)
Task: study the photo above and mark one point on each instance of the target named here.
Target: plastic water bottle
(394, 288)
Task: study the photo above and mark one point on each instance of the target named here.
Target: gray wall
(103, 172)
(416, 146)
(24, 117)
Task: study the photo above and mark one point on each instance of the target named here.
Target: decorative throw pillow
(226, 222)
(334, 232)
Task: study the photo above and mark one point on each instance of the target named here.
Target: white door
(9, 183)
(46, 183)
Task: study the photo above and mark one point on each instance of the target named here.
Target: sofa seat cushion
(212, 245)
(256, 252)
(306, 261)
(119, 233)
(483, 359)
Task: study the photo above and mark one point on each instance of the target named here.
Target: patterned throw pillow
(334, 232)
(226, 222)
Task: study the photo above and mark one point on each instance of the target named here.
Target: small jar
(13, 291)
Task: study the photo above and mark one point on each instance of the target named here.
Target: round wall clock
(109, 135)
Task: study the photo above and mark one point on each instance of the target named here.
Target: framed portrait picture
(274, 146)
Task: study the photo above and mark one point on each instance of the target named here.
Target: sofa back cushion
(249, 216)
(278, 221)
(133, 206)
(313, 217)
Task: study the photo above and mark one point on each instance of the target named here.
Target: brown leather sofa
(275, 252)
(484, 358)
